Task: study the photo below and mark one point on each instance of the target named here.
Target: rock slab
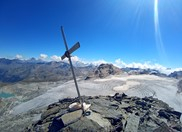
(111, 113)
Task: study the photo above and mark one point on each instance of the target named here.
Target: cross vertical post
(67, 54)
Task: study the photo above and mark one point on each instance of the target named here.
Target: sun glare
(158, 37)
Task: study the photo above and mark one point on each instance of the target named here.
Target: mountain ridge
(33, 70)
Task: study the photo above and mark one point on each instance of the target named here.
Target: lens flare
(158, 37)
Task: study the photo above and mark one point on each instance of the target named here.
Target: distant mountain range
(33, 70)
(176, 74)
(138, 71)
(36, 70)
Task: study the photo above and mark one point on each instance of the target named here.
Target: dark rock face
(180, 86)
(119, 97)
(168, 114)
(176, 74)
(163, 128)
(112, 113)
(85, 125)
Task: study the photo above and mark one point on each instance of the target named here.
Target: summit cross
(68, 55)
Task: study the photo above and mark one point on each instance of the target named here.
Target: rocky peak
(176, 74)
(105, 70)
(110, 113)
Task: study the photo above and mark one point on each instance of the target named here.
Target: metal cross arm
(70, 51)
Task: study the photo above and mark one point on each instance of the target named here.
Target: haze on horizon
(121, 32)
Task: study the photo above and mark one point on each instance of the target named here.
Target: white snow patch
(164, 89)
(129, 84)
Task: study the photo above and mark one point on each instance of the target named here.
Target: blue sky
(133, 30)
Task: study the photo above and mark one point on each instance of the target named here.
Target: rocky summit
(105, 70)
(110, 113)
